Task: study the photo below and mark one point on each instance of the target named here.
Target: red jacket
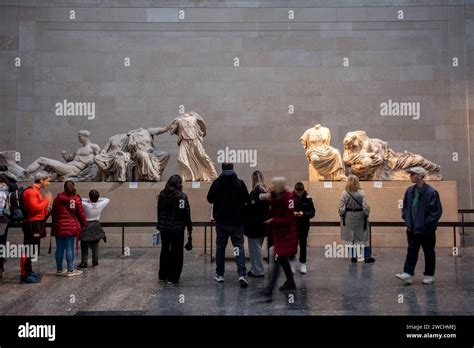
(283, 226)
(69, 217)
(36, 206)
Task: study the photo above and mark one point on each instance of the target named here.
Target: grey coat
(354, 231)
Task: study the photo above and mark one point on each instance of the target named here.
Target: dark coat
(255, 214)
(283, 229)
(428, 213)
(69, 216)
(306, 205)
(174, 214)
(229, 195)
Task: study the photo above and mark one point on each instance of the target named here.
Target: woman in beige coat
(354, 211)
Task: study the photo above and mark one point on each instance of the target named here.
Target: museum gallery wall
(150, 92)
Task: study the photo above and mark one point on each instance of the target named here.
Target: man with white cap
(421, 212)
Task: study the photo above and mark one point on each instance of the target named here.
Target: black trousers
(171, 257)
(32, 232)
(303, 243)
(94, 246)
(284, 263)
(427, 242)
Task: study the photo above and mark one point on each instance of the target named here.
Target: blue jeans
(65, 244)
(236, 234)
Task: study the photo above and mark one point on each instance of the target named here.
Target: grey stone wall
(283, 62)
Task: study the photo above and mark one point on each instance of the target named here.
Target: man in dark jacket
(304, 211)
(229, 195)
(421, 212)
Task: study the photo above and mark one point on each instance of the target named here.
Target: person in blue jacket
(421, 212)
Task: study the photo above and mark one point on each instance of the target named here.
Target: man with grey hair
(37, 210)
(421, 212)
(77, 161)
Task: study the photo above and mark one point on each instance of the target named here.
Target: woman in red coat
(283, 233)
(69, 219)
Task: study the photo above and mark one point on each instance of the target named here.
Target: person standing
(354, 211)
(37, 210)
(174, 215)
(254, 229)
(304, 211)
(93, 233)
(284, 234)
(229, 196)
(4, 191)
(69, 219)
(421, 212)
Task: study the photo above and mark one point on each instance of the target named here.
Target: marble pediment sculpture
(133, 156)
(148, 162)
(114, 160)
(372, 159)
(76, 165)
(9, 162)
(325, 161)
(193, 162)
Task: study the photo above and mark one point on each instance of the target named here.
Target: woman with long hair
(254, 227)
(174, 215)
(354, 212)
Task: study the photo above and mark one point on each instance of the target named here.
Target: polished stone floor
(129, 286)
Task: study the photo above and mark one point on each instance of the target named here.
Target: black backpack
(15, 203)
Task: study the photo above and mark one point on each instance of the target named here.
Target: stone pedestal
(384, 198)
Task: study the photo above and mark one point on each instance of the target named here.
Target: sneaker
(369, 260)
(219, 279)
(288, 285)
(61, 272)
(405, 277)
(428, 280)
(95, 264)
(250, 274)
(303, 269)
(30, 280)
(293, 266)
(75, 272)
(354, 259)
(243, 282)
(172, 283)
(82, 265)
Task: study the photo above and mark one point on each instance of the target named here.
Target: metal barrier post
(370, 240)
(123, 240)
(205, 239)
(212, 258)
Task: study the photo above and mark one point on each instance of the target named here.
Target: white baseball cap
(417, 170)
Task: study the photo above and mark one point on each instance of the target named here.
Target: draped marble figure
(372, 159)
(324, 158)
(148, 161)
(114, 160)
(193, 162)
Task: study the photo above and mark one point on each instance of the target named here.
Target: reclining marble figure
(76, 161)
(372, 159)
